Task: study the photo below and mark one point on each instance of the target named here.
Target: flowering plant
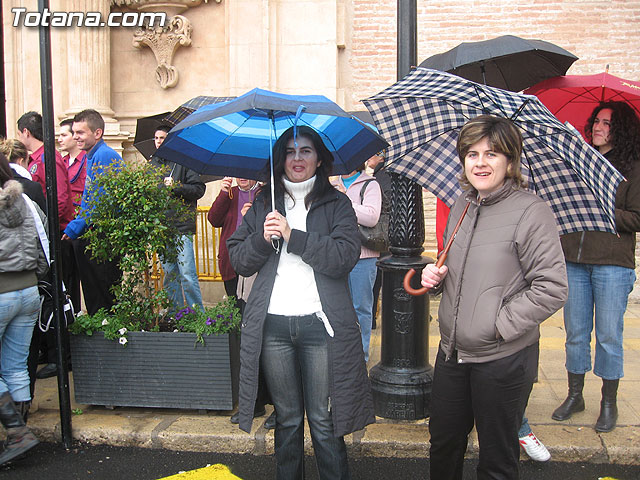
(218, 319)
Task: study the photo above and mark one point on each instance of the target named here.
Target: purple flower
(209, 321)
(220, 315)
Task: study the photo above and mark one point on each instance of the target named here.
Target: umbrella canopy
(422, 114)
(236, 138)
(145, 128)
(572, 98)
(507, 62)
(190, 106)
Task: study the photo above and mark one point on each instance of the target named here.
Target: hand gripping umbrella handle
(441, 259)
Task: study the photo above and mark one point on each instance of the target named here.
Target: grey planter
(156, 369)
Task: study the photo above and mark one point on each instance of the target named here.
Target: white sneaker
(534, 448)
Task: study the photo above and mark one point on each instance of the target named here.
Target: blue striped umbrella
(235, 138)
(423, 113)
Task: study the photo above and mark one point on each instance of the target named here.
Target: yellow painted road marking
(211, 472)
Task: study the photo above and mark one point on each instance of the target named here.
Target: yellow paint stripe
(211, 472)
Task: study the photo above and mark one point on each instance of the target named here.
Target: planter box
(157, 369)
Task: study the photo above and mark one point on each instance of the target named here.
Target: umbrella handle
(416, 292)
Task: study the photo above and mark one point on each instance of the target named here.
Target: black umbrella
(145, 129)
(507, 62)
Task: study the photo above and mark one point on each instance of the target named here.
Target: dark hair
(163, 128)
(624, 133)
(93, 118)
(503, 137)
(322, 185)
(32, 121)
(68, 122)
(5, 170)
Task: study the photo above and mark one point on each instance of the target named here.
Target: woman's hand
(432, 275)
(276, 224)
(226, 184)
(245, 208)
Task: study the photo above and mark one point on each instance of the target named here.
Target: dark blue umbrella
(235, 138)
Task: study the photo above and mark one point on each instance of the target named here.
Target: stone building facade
(344, 49)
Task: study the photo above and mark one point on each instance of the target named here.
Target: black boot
(23, 409)
(19, 437)
(608, 407)
(574, 401)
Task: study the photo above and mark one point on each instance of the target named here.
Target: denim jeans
(295, 362)
(605, 289)
(18, 314)
(182, 277)
(361, 280)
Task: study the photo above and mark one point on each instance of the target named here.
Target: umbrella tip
(606, 69)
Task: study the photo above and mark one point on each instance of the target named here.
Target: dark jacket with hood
(331, 246)
(602, 248)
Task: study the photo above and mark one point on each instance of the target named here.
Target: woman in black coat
(299, 320)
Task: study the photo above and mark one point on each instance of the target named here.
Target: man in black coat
(181, 277)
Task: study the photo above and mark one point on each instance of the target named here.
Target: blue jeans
(295, 362)
(182, 277)
(18, 314)
(607, 288)
(361, 280)
(525, 428)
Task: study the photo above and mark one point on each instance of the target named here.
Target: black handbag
(377, 237)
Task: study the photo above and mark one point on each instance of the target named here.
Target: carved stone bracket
(163, 42)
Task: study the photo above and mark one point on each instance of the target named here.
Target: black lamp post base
(401, 395)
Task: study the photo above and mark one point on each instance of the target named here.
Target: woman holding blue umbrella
(299, 321)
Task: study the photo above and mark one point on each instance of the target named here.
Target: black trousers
(493, 395)
(96, 277)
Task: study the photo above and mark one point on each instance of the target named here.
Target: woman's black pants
(491, 395)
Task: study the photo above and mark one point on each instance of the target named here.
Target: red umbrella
(573, 97)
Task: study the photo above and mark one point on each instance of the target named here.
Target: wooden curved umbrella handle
(416, 292)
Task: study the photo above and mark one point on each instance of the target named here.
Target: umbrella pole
(274, 238)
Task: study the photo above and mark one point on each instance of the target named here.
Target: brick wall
(598, 32)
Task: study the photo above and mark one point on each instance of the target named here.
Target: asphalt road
(85, 462)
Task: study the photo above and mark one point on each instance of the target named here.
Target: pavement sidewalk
(186, 430)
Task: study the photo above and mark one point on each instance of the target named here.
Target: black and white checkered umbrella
(422, 114)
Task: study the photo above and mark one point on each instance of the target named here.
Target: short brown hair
(92, 117)
(13, 149)
(503, 137)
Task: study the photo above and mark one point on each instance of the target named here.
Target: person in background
(376, 164)
(181, 277)
(227, 212)
(299, 321)
(601, 270)
(75, 160)
(366, 199)
(97, 277)
(30, 133)
(488, 357)
(21, 262)
(18, 157)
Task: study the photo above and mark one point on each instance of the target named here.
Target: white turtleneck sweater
(295, 291)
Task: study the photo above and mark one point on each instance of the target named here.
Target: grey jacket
(20, 251)
(506, 275)
(331, 245)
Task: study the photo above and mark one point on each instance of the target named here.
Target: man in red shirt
(75, 159)
(30, 134)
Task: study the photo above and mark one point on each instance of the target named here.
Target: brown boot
(608, 406)
(574, 401)
(19, 437)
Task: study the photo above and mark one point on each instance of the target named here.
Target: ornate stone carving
(163, 42)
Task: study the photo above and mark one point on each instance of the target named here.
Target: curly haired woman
(601, 270)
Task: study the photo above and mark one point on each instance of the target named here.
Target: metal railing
(205, 245)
